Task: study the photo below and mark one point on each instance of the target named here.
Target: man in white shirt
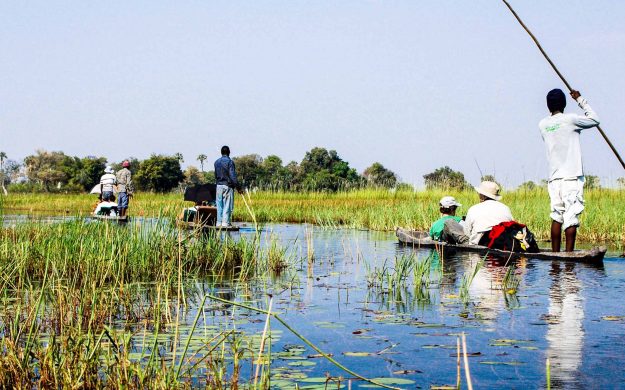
(566, 176)
(483, 216)
(107, 181)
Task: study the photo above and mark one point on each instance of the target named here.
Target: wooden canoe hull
(420, 239)
(123, 219)
(205, 227)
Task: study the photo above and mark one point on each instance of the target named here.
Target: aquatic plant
(467, 280)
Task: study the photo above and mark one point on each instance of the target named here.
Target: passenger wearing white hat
(449, 227)
(107, 181)
(489, 212)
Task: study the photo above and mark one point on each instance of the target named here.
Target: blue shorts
(122, 200)
(107, 195)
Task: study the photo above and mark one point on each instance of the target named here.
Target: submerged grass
(369, 208)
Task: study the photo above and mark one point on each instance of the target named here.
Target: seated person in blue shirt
(449, 227)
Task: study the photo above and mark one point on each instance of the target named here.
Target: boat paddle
(561, 77)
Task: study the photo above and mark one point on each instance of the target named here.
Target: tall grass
(367, 208)
(100, 305)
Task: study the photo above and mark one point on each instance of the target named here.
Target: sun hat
(125, 164)
(108, 169)
(449, 201)
(489, 189)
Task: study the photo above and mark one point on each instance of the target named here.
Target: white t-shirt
(483, 216)
(108, 180)
(561, 135)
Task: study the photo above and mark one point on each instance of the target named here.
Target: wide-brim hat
(489, 189)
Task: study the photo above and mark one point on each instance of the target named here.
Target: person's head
(488, 190)
(126, 164)
(225, 151)
(556, 101)
(448, 205)
(108, 169)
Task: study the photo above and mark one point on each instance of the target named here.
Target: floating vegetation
(467, 280)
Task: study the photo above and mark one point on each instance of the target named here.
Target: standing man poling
(124, 188)
(566, 176)
(226, 180)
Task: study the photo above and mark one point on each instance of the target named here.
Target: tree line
(319, 170)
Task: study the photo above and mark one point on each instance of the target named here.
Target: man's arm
(233, 175)
(590, 118)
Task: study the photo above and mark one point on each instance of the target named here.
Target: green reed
(376, 209)
(88, 304)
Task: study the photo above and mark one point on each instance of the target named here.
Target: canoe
(420, 239)
(123, 219)
(206, 227)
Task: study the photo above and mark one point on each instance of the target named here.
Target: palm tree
(3, 156)
(201, 158)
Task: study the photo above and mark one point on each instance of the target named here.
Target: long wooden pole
(605, 137)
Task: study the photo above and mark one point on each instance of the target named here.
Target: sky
(414, 85)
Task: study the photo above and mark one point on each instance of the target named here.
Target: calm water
(571, 313)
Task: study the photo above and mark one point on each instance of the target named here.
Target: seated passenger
(449, 228)
(483, 216)
(106, 207)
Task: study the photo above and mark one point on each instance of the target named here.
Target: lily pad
(358, 354)
(510, 363)
(613, 318)
(302, 363)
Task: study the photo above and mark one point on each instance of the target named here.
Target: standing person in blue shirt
(560, 132)
(226, 180)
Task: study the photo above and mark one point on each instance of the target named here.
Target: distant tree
(193, 176)
(249, 169)
(10, 171)
(179, 157)
(445, 178)
(528, 186)
(47, 168)
(377, 175)
(276, 176)
(592, 182)
(159, 173)
(209, 177)
(88, 172)
(325, 170)
(620, 182)
(201, 158)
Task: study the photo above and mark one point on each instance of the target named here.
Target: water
(570, 313)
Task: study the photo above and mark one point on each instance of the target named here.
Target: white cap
(449, 201)
(108, 169)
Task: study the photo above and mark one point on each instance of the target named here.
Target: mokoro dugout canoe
(420, 239)
(123, 219)
(206, 227)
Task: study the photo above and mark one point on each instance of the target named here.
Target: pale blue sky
(414, 85)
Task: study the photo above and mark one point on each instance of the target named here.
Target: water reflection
(565, 333)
